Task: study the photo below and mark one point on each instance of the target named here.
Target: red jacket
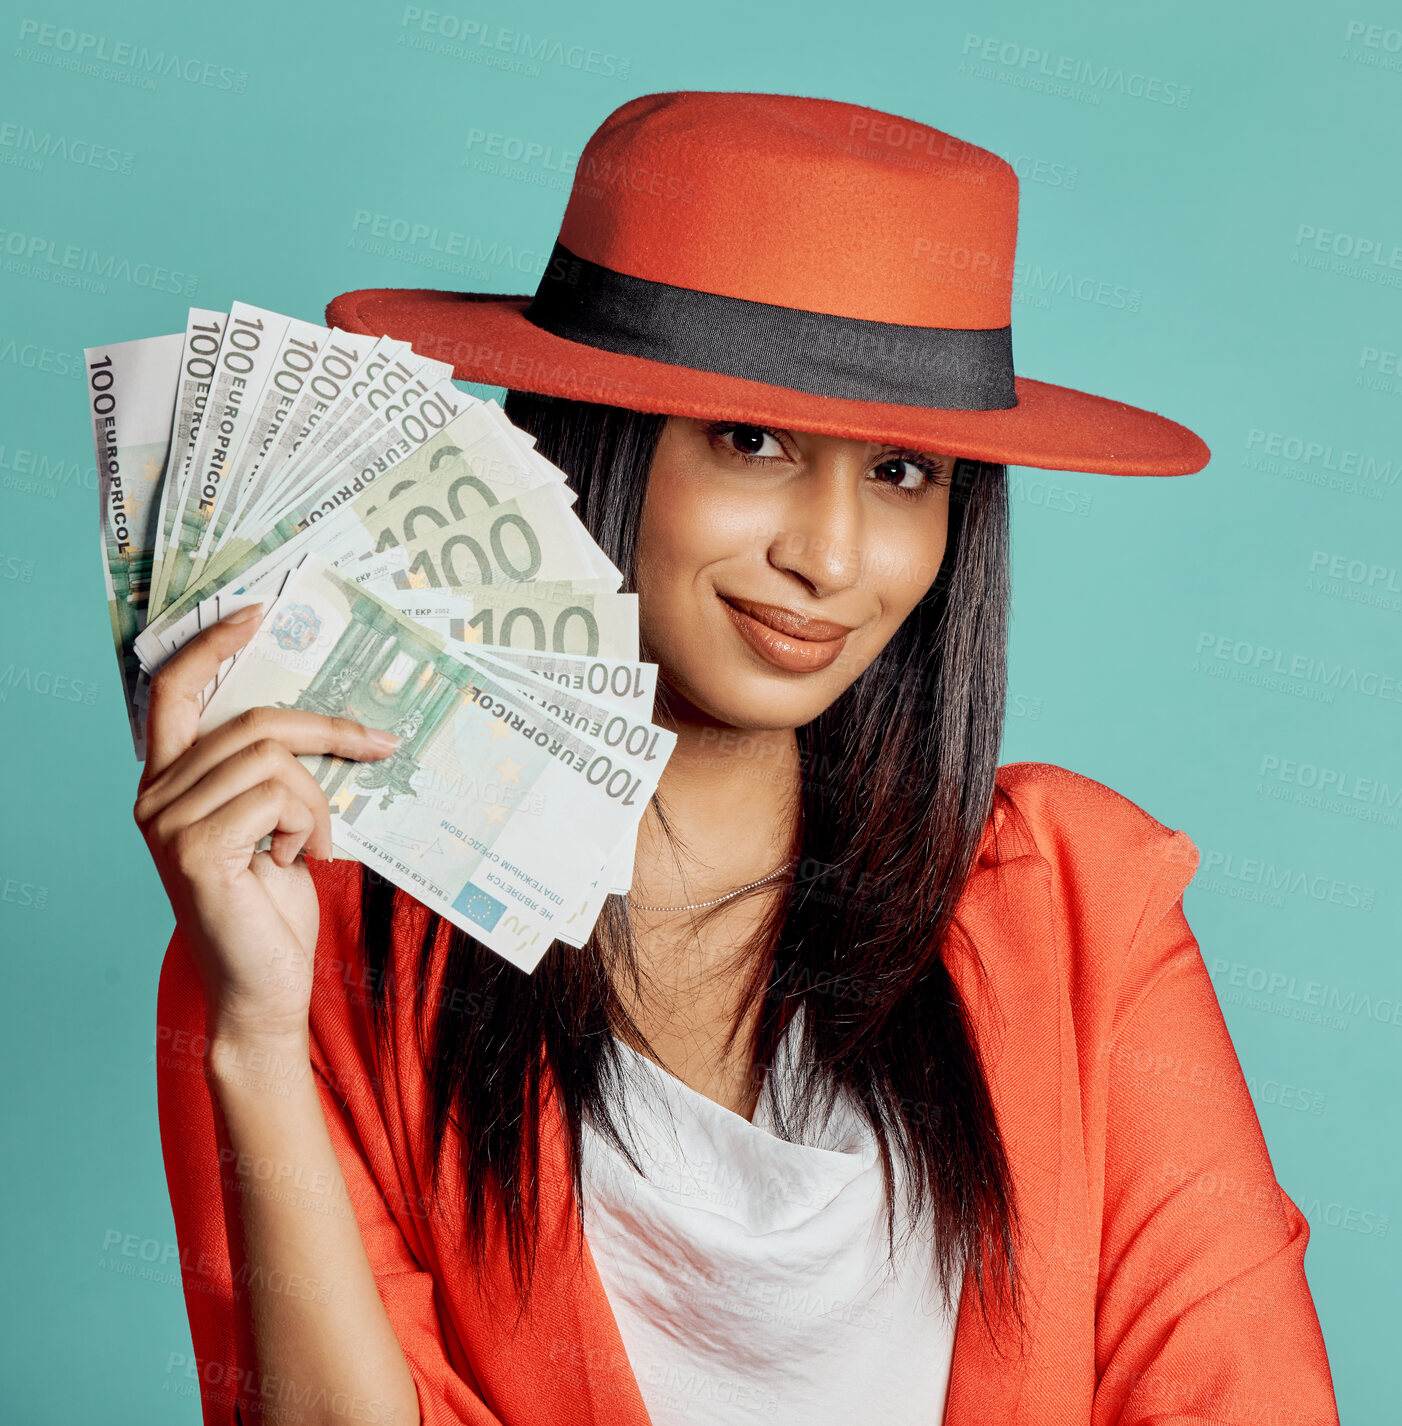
(1164, 1263)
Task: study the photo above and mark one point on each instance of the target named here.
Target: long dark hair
(897, 781)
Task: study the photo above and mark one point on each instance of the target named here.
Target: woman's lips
(787, 640)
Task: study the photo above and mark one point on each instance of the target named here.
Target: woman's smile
(789, 640)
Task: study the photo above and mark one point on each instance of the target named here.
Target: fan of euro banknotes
(421, 570)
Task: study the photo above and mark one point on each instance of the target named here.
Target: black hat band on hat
(947, 368)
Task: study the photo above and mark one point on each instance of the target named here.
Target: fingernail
(244, 614)
(382, 740)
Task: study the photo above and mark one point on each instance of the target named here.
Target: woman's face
(773, 565)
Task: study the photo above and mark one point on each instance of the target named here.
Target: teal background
(1142, 607)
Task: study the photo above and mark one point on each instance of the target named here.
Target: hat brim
(487, 339)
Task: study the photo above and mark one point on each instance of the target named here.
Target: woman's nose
(820, 530)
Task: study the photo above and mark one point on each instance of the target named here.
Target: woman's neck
(730, 800)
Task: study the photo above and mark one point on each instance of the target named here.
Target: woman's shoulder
(1067, 812)
(1106, 874)
(1056, 793)
(1101, 845)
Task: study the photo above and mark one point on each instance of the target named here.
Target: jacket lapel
(564, 1362)
(1009, 916)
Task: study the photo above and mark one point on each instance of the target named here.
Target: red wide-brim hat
(790, 262)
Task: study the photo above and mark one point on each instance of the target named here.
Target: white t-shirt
(748, 1275)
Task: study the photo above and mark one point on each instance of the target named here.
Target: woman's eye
(904, 474)
(751, 441)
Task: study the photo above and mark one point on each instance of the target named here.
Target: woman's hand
(203, 804)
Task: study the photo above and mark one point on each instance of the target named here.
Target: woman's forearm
(324, 1347)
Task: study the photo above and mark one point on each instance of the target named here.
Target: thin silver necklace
(715, 901)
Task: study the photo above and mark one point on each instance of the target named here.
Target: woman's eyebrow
(915, 451)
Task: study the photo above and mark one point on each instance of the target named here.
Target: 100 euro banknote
(131, 392)
(492, 813)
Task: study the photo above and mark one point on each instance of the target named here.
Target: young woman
(896, 1089)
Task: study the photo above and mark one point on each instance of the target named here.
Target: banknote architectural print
(379, 674)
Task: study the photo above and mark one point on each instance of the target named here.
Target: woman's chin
(742, 699)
